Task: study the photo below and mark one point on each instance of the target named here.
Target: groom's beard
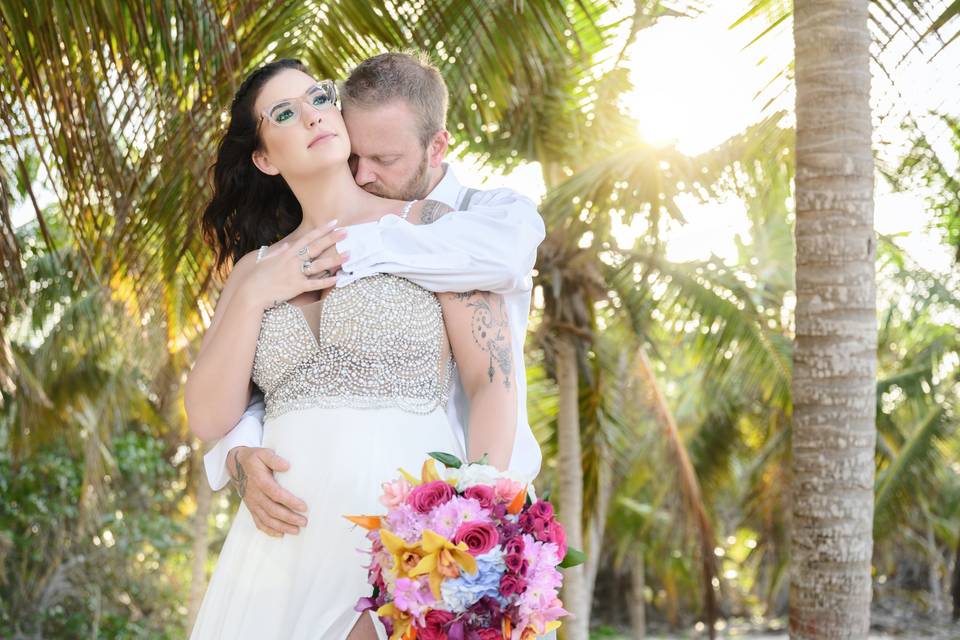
(416, 188)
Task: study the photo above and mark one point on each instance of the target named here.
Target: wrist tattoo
(433, 211)
(240, 482)
(490, 327)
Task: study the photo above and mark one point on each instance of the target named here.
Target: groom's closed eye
(385, 161)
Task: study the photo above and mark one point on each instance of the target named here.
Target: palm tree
(116, 109)
(834, 362)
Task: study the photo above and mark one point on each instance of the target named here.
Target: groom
(394, 106)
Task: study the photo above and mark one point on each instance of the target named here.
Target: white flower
(473, 474)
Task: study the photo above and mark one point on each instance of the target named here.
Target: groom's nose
(364, 173)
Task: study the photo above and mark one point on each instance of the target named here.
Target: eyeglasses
(285, 113)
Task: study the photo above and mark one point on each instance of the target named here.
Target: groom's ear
(437, 150)
(262, 162)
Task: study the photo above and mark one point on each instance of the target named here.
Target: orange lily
(367, 522)
(517, 503)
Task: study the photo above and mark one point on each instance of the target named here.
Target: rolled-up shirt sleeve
(247, 433)
(492, 246)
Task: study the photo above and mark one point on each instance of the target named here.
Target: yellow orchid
(429, 471)
(405, 556)
(414, 482)
(402, 620)
(441, 559)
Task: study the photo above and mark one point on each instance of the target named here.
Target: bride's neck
(330, 195)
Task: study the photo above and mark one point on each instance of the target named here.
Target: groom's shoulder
(495, 196)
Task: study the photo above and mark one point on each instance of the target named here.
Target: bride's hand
(283, 275)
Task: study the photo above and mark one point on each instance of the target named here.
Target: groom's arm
(248, 432)
(492, 246)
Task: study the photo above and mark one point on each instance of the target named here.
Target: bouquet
(465, 557)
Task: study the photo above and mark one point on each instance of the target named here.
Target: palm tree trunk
(570, 486)
(598, 520)
(834, 361)
(637, 603)
(201, 539)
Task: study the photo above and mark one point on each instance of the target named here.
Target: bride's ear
(262, 162)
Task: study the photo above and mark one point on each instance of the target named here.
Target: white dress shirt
(489, 245)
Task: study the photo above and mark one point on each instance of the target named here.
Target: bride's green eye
(282, 115)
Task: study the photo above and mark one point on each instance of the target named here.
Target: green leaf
(573, 558)
(448, 459)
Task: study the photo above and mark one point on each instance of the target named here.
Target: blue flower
(461, 592)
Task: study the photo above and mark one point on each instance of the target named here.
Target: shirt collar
(447, 190)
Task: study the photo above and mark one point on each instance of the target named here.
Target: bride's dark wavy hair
(248, 208)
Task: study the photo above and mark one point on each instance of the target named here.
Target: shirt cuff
(247, 433)
(363, 243)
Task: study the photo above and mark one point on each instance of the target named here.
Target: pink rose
(482, 493)
(394, 493)
(541, 509)
(514, 546)
(514, 562)
(558, 536)
(479, 536)
(512, 585)
(435, 623)
(488, 634)
(426, 497)
(506, 489)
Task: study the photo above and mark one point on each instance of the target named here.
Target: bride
(355, 378)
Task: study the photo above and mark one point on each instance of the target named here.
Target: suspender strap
(467, 197)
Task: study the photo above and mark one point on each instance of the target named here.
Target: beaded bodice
(377, 342)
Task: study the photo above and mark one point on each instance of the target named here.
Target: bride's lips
(326, 135)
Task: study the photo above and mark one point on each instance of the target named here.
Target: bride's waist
(282, 406)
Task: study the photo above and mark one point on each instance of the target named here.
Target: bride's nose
(311, 114)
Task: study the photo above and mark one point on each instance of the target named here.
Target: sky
(695, 87)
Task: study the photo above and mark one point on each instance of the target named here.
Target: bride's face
(300, 128)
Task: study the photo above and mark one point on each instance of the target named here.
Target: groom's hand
(275, 510)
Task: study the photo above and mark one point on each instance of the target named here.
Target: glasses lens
(284, 113)
(322, 95)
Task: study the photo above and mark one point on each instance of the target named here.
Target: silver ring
(324, 274)
(302, 252)
(305, 265)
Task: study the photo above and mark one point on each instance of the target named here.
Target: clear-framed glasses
(284, 113)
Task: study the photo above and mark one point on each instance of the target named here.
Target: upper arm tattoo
(489, 325)
(433, 211)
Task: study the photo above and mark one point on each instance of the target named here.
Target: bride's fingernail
(332, 223)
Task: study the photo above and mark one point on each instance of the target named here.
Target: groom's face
(387, 157)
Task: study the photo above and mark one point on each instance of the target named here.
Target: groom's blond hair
(406, 75)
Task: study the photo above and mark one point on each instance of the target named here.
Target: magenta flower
(427, 497)
(479, 536)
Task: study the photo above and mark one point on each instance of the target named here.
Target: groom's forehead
(390, 124)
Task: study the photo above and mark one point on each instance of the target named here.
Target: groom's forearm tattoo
(240, 482)
(490, 328)
(433, 211)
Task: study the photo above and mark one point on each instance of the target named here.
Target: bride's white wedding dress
(355, 387)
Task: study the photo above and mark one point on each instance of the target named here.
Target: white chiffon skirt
(305, 586)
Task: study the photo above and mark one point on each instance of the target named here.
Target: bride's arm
(479, 331)
(218, 388)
